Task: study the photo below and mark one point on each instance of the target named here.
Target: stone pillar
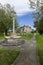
(13, 25)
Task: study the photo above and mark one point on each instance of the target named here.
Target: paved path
(28, 55)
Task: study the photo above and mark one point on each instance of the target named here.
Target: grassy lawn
(27, 36)
(39, 39)
(7, 57)
(1, 37)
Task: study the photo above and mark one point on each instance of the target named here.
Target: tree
(40, 27)
(2, 19)
(38, 15)
(36, 23)
(6, 17)
(9, 16)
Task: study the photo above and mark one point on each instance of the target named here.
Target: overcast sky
(21, 6)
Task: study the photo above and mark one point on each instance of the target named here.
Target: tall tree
(2, 19)
(7, 13)
(38, 14)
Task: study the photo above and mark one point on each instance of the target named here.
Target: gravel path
(28, 55)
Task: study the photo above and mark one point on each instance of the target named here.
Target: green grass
(39, 39)
(26, 36)
(1, 37)
(7, 57)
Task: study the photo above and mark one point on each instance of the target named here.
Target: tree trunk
(6, 32)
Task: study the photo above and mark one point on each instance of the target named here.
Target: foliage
(25, 36)
(2, 37)
(38, 14)
(18, 30)
(2, 18)
(40, 26)
(39, 39)
(7, 57)
(6, 17)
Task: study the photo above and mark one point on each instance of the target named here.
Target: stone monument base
(13, 37)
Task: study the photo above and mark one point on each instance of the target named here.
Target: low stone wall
(11, 42)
